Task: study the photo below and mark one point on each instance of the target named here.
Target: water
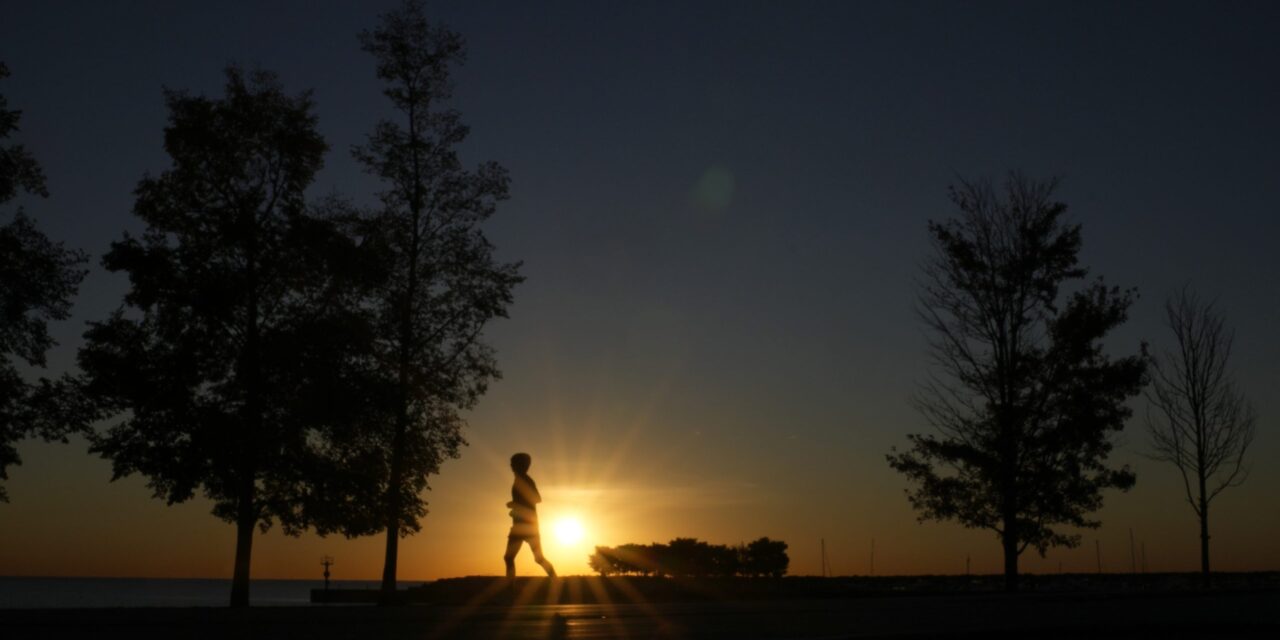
(61, 593)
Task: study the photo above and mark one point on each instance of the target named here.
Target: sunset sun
(568, 531)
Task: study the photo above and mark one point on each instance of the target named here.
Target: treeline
(689, 557)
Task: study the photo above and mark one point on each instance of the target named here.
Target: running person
(524, 516)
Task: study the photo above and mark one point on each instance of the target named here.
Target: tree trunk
(246, 520)
(403, 379)
(389, 564)
(392, 556)
(1009, 542)
(1206, 578)
(251, 428)
(1010, 535)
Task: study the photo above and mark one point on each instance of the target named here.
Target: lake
(43, 593)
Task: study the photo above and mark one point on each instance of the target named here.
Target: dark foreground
(1170, 615)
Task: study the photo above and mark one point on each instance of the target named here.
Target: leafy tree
(38, 279)
(605, 562)
(1199, 421)
(1022, 397)
(19, 170)
(443, 283)
(689, 557)
(200, 373)
(723, 560)
(765, 557)
(638, 558)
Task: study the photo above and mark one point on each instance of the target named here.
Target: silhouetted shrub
(690, 557)
(765, 557)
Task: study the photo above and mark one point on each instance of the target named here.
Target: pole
(327, 561)
(1097, 546)
(824, 557)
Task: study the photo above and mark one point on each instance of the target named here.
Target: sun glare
(568, 531)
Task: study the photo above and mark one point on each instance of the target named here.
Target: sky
(721, 209)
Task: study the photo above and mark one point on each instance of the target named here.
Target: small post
(824, 557)
(967, 559)
(327, 561)
(1097, 546)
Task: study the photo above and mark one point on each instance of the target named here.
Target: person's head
(520, 463)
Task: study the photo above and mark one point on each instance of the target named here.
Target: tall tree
(1021, 396)
(1199, 421)
(38, 279)
(443, 282)
(198, 372)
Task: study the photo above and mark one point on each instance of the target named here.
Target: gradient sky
(721, 207)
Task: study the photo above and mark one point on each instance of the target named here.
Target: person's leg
(513, 547)
(535, 543)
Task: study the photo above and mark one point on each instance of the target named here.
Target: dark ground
(1233, 614)
(596, 590)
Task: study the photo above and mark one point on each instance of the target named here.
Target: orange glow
(67, 519)
(568, 531)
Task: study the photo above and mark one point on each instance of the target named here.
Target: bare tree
(1199, 421)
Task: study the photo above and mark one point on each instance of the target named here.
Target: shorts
(523, 531)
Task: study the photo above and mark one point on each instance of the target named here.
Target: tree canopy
(200, 375)
(689, 557)
(38, 279)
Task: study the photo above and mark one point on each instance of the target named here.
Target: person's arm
(535, 497)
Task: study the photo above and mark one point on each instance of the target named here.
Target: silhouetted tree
(765, 557)
(724, 560)
(690, 557)
(638, 558)
(1199, 421)
(19, 170)
(198, 373)
(444, 283)
(1022, 396)
(605, 562)
(38, 278)
(686, 557)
